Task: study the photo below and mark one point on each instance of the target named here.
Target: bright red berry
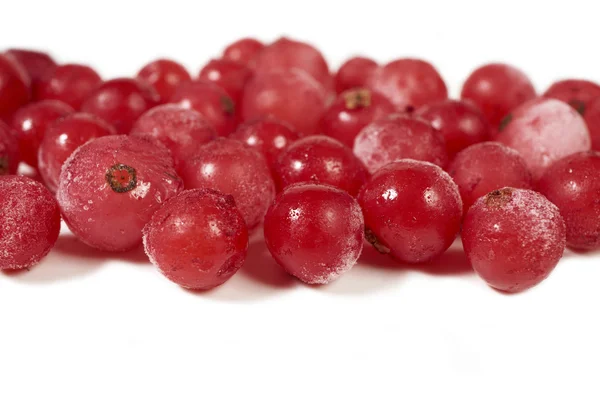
(315, 232)
(110, 187)
(198, 239)
(9, 150)
(412, 210)
(578, 93)
(351, 112)
(243, 51)
(69, 83)
(393, 139)
(62, 138)
(513, 238)
(29, 222)
(30, 123)
(354, 73)
(164, 76)
(15, 87)
(38, 65)
(229, 75)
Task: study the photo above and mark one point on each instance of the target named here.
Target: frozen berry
(243, 51)
(351, 112)
(120, 102)
(69, 83)
(29, 222)
(354, 73)
(592, 120)
(37, 64)
(315, 232)
(15, 87)
(573, 185)
(198, 239)
(513, 238)
(486, 167)
(409, 83)
(65, 136)
(232, 168)
(320, 159)
(385, 141)
(461, 123)
(543, 131)
(290, 96)
(30, 123)
(412, 210)
(110, 187)
(497, 89)
(578, 93)
(164, 76)
(211, 101)
(268, 136)
(229, 75)
(9, 150)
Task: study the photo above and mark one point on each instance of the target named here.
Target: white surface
(80, 326)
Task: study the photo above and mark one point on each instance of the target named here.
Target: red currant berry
(513, 238)
(198, 239)
(412, 210)
(110, 187)
(164, 76)
(461, 123)
(211, 101)
(9, 150)
(15, 87)
(29, 222)
(38, 65)
(543, 131)
(315, 232)
(389, 140)
(232, 168)
(320, 159)
(497, 89)
(62, 138)
(30, 123)
(231, 76)
(120, 102)
(592, 120)
(244, 51)
(409, 83)
(289, 96)
(69, 83)
(268, 136)
(577, 93)
(354, 73)
(572, 184)
(351, 112)
(485, 167)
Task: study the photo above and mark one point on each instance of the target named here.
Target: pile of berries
(326, 163)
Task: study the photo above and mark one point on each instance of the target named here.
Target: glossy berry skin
(244, 51)
(9, 150)
(578, 93)
(513, 238)
(592, 120)
(62, 138)
(461, 123)
(198, 239)
(31, 122)
(232, 168)
(181, 130)
(354, 73)
(409, 83)
(385, 141)
(543, 131)
(351, 112)
(485, 167)
(120, 102)
(37, 64)
(210, 100)
(497, 89)
(572, 184)
(15, 87)
(69, 83)
(29, 222)
(268, 136)
(164, 76)
(231, 76)
(291, 96)
(320, 159)
(110, 187)
(315, 232)
(412, 210)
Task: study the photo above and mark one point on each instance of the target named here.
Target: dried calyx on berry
(357, 98)
(121, 178)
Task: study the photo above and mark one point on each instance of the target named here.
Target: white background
(84, 326)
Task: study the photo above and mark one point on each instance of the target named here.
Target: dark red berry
(578, 93)
(592, 120)
(9, 150)
(244, 51)
(231, 76)
(69, 83)
(164, 76)
(38, 65)
(354, 73)
(15, 87)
